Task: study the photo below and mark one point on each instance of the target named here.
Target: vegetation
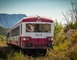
(3, 31)
(2, 47)
(2, 40)
(70, 25)
(58, 33)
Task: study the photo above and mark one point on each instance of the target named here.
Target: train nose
(34, 45)
(38, 46)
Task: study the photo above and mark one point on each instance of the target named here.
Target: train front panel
(37, 35)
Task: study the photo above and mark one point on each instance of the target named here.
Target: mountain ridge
(8, 20)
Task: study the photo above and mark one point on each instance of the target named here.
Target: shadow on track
(34, 52)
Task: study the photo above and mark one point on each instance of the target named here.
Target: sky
(47, 8)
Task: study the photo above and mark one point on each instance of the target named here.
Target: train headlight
(24, 39)
(50, 39)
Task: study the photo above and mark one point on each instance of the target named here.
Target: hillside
(8, 20)
(3, 31)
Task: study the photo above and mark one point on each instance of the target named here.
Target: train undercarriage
(29, 52)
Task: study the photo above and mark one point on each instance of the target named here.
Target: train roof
(36, 19)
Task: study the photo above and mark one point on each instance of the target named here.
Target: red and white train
(32, 33)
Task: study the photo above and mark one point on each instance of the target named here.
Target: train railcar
(32, 33)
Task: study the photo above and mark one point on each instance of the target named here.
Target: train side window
(21, 28)
(15, 32)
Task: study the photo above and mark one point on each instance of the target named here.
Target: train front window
(38, 27)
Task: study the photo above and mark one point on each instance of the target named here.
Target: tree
(71, 16)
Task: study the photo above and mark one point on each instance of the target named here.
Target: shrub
(18, 56)
(70, 25)
(65, 49)
(59, 35)
(57, 28)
